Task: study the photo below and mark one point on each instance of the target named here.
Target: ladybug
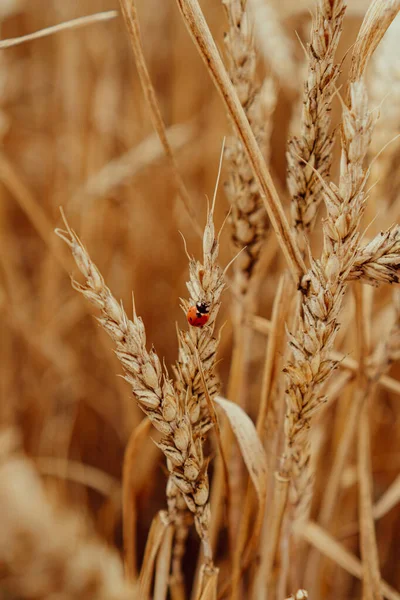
(198, 315)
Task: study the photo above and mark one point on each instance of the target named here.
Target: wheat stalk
(73, 24)
(129, 12)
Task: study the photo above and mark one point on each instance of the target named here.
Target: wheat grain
(70, 114)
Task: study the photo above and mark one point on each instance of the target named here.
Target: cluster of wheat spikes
(180, 412)
(276, 481)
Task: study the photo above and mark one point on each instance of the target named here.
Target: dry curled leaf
(250, 445)
(155, 539)
(378, 18)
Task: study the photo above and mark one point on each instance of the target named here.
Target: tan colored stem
(388, 500)
(369, 551)
(366, 388)
(277, 322)
(274, 526)
(73, 24)
(327, 545)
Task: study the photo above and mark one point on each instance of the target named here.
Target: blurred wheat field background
(113, 488)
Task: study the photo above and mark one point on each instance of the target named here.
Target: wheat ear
(152, 389)
(309, 156)
(323, 295)
(196, 380)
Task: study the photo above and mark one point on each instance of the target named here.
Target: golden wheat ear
(176, 418)
(197, 384)
(314, 143)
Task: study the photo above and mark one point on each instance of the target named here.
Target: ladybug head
(203, 308)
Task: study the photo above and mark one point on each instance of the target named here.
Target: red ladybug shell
(197, 316)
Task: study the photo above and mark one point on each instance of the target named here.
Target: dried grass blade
(274, 342)
(273, 527)
(379, 16)
(388, 500)
(73, 24)
(260, 324)
(129, 512)
(250, 445)
(163, 566)
(327, 545)
(132, 24)
(368, 546)
(155, 538)
(279, 311)
(236, 391)
(330, 495)
(390, 384)
(198, 28)
(256, 462)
